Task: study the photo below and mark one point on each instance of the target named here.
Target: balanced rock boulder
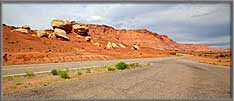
(60, 33)
(62, 24)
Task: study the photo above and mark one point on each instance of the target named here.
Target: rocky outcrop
(109, 45)
(114, 45)
(41, 33)
(122, 46)
(60, 33)
(24, 29)
(21, 30)
(88, 38)
(80, 29)
(141, 37)
(135, 47)
(62, 24)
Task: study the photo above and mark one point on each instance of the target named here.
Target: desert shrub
(133, 65)
(221, 55)
(18, 83)
(9, 78)
(29, 74)
(121, 65)
(79, 72)
(88, 70)
(111, 69)
(54, 72)
(64, 74)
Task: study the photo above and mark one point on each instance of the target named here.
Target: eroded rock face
(122, 46)
(114, 45)
(61, 33)
(109, 45)
(62, 24)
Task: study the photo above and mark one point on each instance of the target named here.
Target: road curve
(163, 79)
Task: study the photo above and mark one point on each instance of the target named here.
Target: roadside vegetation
(214, 58)
(121, 65)
(54, 72)
(29, 74)
(64, 74)
(30, 79)
(215, 55)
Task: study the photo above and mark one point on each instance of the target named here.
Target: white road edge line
(45, 71)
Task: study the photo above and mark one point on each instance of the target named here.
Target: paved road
(163, 79)
(38, 68)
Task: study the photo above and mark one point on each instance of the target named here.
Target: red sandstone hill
(21, 48)
(141, 37)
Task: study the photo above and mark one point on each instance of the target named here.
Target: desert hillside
(70, 41)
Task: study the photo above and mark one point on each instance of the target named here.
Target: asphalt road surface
(168, 78)
(47, 67)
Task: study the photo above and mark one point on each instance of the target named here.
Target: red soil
(19, 48)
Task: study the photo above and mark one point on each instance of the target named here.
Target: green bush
(111, 69)
(64, 74)
(54, 72)
(121, 65)
(88, 70)
(29, 74)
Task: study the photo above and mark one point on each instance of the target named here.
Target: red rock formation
(21, 48)
(141, 37)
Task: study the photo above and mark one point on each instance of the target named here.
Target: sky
(184, 23)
